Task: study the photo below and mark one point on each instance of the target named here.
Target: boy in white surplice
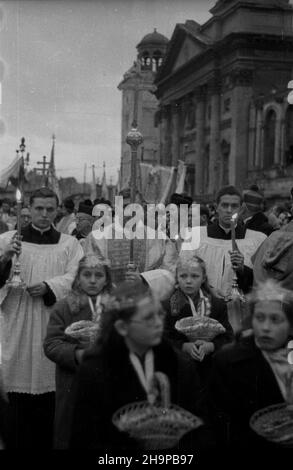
(48, 263)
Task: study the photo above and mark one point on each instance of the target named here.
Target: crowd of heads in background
(86, 211)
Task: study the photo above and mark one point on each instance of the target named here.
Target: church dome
(153, 39)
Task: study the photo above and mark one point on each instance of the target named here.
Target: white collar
(96, 309)
(145, 376)
(226, 230)
(201, 313)
(40, 230)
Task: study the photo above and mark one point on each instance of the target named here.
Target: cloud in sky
(63, 62)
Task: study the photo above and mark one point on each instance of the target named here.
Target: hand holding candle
(18, 214)
(15, 281)
(233, 235)
(237, 258)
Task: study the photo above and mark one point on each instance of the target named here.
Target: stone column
(163, 135)
(258, 136)
(283, 142)
(175, 134)
(278, 138)
(241, 97)
(215, 151)
(252, 135)
(200, 140)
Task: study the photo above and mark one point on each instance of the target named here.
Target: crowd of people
(60, 386)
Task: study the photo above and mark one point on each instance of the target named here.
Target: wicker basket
(204, 328)
(155, 427)
(83, 331)
(275, 424)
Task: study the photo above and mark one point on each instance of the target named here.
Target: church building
(222, 92)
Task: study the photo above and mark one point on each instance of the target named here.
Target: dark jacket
(218, 312)
(61, 348)
(107, 381)
(241, 383)
(259, 222)
(6, 423)
(274, 258)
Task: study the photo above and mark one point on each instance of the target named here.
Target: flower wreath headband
(270, 290)
(93, 261)
(185, 260)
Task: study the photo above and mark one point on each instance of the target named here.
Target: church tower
(139, 102)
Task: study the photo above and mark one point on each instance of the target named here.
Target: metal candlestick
(15, 281)
(236, 299)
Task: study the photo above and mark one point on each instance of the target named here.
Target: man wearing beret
(252, 215)
(274, 259)
(68, 223)
(84, 220)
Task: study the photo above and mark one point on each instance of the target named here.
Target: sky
(62, 61)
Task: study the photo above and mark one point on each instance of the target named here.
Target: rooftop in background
(154, 38)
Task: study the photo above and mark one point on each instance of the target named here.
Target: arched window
(289, 136)
(225, 151)
(146, 60)
(158, 59)
(269, 139)
(190, 117)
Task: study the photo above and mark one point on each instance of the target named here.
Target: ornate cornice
(242, 77)
(175, 107)
(215, 84)
(200, 93)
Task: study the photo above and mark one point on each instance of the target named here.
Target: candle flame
(234, 217)
(18, 195)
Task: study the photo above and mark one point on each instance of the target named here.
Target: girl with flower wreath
(255, 373)
(193, 298)
(72, 328)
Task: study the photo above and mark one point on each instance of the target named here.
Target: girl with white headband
(73, 324)
(193, 298)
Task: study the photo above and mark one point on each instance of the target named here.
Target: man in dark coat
(252, 215)
(274, 258)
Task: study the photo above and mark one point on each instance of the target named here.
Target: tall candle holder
(134, 139)
(15, 281)
(236, 299)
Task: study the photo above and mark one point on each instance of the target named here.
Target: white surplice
(24, 320)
